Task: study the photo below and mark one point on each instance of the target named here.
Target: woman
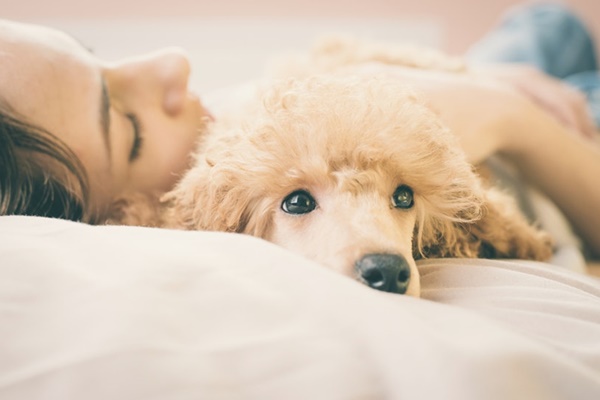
(79, 135)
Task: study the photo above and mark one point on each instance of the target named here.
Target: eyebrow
(105, 115)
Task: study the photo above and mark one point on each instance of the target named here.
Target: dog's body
(355, 173)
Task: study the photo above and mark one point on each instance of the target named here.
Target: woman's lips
(204, 112)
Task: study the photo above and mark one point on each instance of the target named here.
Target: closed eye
(137, 137)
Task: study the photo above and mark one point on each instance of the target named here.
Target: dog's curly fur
(349, 142)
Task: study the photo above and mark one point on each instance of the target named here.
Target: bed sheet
(101, 312)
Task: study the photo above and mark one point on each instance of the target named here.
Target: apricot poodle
(355, 173)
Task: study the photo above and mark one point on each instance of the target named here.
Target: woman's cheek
(177, 158)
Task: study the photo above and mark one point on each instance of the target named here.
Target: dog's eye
(403, 197)
(298, 202)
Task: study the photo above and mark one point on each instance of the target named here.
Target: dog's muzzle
(386, 272)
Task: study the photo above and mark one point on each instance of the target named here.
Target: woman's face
(133, 124)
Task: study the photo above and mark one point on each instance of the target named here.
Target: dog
(354, 172)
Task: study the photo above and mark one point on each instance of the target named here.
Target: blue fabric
(589, 83)
(550, 37)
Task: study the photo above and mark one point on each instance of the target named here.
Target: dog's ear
(500, 232)
(446, 233)
(216, 197)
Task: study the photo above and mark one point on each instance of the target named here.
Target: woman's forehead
(21, 38)
(40, 62)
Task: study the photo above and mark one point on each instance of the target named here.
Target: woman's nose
(161, 77)
(173, 71)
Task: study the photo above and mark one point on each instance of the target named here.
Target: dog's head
(352, 172)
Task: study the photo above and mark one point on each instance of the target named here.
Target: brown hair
(39, 174)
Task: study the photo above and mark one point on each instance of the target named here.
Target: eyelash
(137, 137)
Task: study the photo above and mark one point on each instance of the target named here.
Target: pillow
(99, 312)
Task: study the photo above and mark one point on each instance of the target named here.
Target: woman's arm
(564, 166)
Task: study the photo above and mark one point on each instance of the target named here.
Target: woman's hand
(567, 104)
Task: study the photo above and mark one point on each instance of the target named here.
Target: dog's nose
(386, 272)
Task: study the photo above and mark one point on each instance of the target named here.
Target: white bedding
(137, 313)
